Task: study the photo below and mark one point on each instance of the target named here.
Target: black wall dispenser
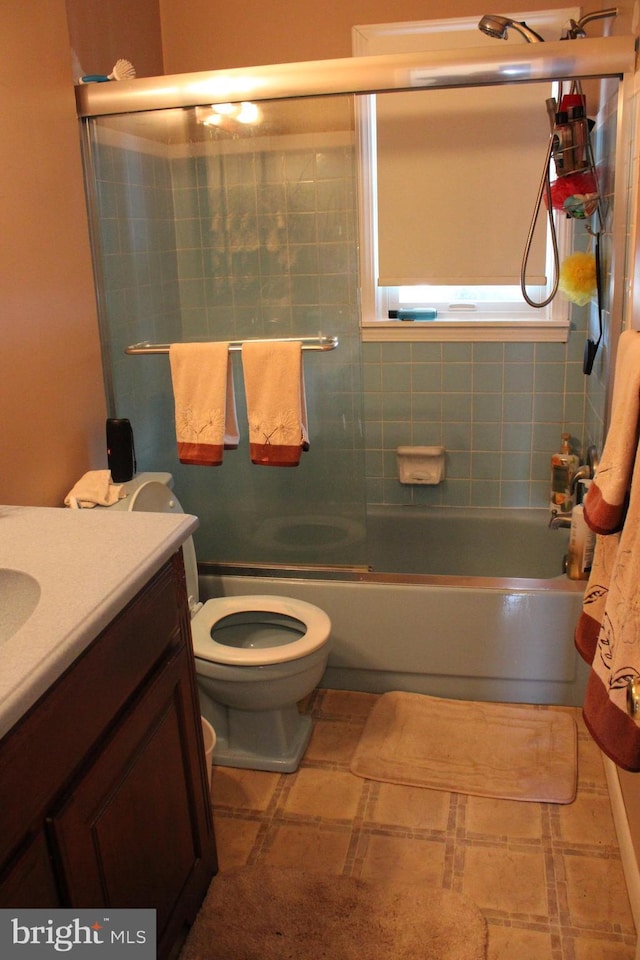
(591, 346)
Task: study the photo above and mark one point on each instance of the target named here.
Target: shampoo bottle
(582, 541)
(563, 466)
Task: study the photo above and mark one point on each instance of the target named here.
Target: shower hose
(544, 189)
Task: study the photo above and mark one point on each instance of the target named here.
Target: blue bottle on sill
(413, 313)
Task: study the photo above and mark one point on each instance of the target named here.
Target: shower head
(496, 27)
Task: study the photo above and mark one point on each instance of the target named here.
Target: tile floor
(548, 878)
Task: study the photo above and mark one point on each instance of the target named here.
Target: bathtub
(464, 604)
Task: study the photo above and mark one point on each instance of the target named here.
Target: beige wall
(103, 31)
(50, 372)
(201, 35)
(51, 387)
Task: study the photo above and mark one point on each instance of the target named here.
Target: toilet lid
(155, 497)
(313, 621)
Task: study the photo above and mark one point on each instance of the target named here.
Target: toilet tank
(130, 487)
(162, 505)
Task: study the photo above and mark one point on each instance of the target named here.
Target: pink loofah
(580, 184)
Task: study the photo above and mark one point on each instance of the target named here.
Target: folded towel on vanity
(606, 501)
(205, 406)
(94, 489)
(608, 632)
(276, 403)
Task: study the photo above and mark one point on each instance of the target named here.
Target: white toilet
(256, 657)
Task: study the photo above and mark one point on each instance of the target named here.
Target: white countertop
(89, 565)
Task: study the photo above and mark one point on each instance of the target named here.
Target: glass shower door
(207, 227)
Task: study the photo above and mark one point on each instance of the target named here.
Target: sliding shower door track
(280, 569)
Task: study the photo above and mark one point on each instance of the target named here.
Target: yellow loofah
(578, 278)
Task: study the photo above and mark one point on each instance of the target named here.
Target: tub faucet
(582, 473)
(556, 521)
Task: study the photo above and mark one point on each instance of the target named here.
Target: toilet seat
(155, 497)
(315, 621)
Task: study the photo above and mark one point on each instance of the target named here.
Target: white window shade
(458, 172)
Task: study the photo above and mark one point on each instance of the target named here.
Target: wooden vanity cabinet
(104, 796)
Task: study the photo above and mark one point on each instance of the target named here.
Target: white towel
(94, 489)
(608, 632)
(205, 406)
(276, 402)
(616, 659)
(606, 502)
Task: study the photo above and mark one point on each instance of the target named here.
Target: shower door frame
(435, 69)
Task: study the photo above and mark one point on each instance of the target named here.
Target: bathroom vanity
(104, 796)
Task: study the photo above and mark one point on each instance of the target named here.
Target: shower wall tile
(426, 406)
(517, 436)
(518, 377)
(488, 406)
(499, 410)
(486, 436)
(265, 244)
(488, 377)
(483, 493)
(456, 436)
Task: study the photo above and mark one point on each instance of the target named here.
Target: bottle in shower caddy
(563, 466)
(571, 136)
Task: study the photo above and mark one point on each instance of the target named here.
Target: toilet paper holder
(421, 465)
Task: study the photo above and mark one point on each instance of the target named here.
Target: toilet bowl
(256, 657)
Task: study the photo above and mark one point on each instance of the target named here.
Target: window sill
(402, 331)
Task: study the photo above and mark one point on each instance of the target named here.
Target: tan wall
(201, 35)
(52, 397)
(103, 31)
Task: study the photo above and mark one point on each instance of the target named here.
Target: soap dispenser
(564, 464)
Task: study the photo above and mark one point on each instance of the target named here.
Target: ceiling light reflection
(228, 115)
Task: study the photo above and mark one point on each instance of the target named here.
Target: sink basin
(19, 596)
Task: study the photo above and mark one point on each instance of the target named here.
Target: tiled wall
(266, 245)
(498, 409)
(266, 241)
(138, 284)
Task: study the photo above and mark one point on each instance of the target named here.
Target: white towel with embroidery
(608, 631)
(205, 405)
(616, 659)
(276, 402)
(94, 489)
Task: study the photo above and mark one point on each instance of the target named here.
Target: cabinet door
(29, 881)
(136, 829)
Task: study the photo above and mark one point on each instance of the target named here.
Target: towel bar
(308, 343)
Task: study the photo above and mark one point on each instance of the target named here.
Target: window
(449, 180)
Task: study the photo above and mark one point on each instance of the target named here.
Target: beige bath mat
(271, 913)
(483, 749)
